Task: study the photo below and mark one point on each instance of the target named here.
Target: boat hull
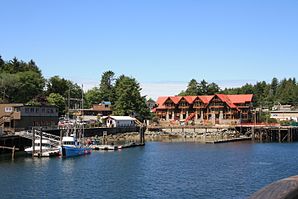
(69, 151)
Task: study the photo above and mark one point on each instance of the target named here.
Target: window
(8, 109)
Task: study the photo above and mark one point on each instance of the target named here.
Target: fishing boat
(70, 144)
(45, 146)
(71, 147)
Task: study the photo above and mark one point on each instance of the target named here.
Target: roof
(238, 99)
(205, 98)
(122, 117)
(230, 100)
(176, 99)
(226, 99)
(190, 99)
(160, 101)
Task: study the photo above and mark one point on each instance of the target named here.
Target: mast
(67, 117)
(82, 104)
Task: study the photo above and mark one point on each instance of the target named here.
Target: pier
(221, 133)
(267, 133)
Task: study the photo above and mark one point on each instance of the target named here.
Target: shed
(120, 121)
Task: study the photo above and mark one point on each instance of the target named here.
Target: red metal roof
(237, 99)
(205, 98)
(176, 99)
(190, 99)
(161, 100)
(225, 99)
(231, 100)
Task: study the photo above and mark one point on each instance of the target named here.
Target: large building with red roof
(209, 109)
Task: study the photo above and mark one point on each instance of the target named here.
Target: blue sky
(162, 43)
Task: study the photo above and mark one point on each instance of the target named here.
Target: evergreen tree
(57, 100)
(192, 88)
(57, 85)
(203, 88)
(92, 96)
(129, 100)
(212, 89)
(106, 87)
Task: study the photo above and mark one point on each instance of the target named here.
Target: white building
(284, 113)
(120, 121)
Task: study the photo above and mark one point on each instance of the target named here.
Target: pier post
(61, 135)
(279, 135)
(33, 141)
(13, 152)
(40, 144)
(104, 134)
(253, 133)
(142, 135)
(289, 135)
(261, 135)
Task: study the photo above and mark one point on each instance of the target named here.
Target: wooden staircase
(191, 116)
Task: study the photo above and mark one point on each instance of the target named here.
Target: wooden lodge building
(213, 109)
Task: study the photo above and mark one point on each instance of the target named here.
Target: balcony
(198, 106)
(183, 106)
(169, 107)
(216, 106)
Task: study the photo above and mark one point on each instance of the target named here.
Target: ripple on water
(158, 170)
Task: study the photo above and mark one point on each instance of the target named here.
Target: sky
(162, 43)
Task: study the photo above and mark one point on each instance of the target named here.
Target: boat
(71, 147)
(45, 146)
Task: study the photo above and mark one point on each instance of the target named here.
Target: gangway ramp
(54, 139)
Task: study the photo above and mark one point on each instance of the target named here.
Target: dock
(49, 153)
(229, 140)
(108, 147)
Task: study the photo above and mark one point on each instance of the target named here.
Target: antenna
(82, 113)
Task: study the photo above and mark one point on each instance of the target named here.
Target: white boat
(45, 146)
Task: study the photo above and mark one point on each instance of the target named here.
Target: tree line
(266, 95)
(23, 82)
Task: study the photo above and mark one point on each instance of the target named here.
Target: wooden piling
(40, 144)
(33, 142)
(253, 133)
(279, 135)
(13, 152)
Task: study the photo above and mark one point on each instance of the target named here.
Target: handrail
(286, 188)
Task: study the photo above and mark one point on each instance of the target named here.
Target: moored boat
(71, 147)
(45, 146)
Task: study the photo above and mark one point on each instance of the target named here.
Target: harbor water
(157, 170)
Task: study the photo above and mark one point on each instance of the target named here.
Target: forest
(23, 82)
(266, 95)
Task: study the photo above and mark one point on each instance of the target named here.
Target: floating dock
(49, 153)
(229, 140)
(108, 147)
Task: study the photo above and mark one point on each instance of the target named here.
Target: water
(158, 170)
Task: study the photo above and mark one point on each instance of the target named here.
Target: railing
(29, 135)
